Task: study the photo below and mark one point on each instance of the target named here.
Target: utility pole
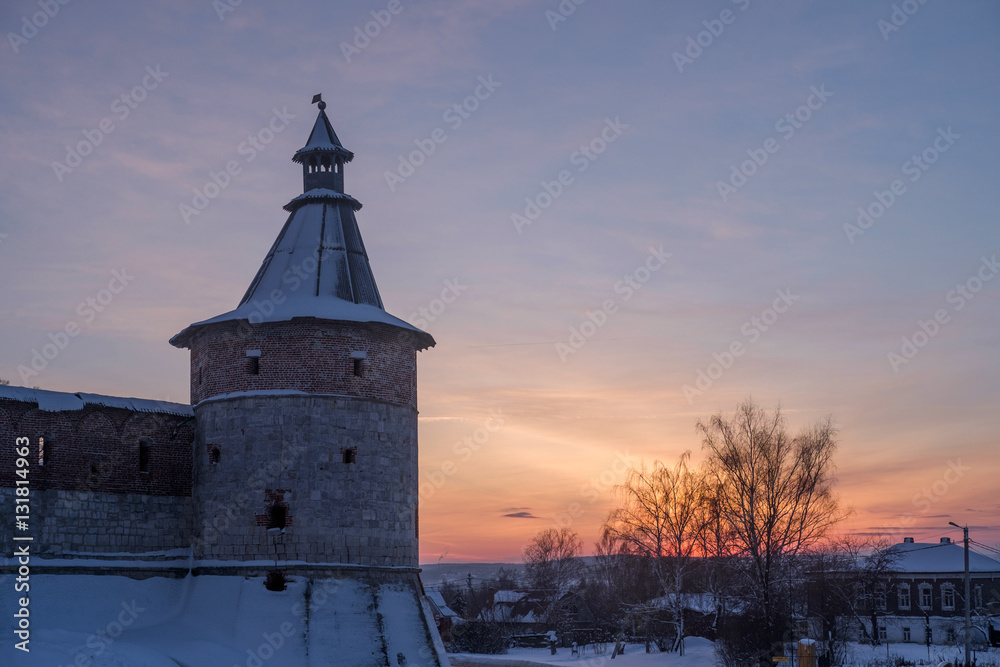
(968, 599)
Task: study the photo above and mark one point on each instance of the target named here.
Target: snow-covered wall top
(57, 401)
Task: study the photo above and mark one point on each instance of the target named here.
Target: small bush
(479, 637)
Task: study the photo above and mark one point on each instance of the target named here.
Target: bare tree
(774, 494)
(661, 516)
(867, 566)
(551, 558)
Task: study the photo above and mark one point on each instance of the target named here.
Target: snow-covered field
(701, 653)
(212, 621)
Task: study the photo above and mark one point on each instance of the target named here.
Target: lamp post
(968, 606)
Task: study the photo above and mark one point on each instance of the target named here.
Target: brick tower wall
(307, 355)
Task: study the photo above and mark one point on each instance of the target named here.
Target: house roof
(437, 600)
(940, 558)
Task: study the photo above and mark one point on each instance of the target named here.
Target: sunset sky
(611, 197)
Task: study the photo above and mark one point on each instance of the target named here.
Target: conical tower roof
(318, 266)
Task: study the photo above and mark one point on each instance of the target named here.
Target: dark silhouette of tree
(774, 496)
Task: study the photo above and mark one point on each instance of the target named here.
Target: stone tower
(305, 399)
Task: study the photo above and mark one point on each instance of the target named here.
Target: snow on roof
(437, 599)
(322, 308)
(317, 194)
(317, 267)
(508, 596)
(57, 401)
(940, 557)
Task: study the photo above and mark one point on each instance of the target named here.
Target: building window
(906, 634)
(351, 455)
(948, 597)
(201, 375)
(143, 456)
(904, 596)
(253, 362)
(41, 450)
(925, 596)
(950, 636)
(882, 634)
(977, 597)
(880, 597)
(215, 455)
(358, 359)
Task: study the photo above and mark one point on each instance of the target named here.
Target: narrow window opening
(200, 375)
(41, 450)
(214, 456)
(276, 517)
(906, 634)
(144, 457)
(350, 455)
(253, 362)
(359, 367)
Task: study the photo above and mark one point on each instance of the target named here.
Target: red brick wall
(305, 355)
(109, 439)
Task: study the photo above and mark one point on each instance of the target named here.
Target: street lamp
(968, 599)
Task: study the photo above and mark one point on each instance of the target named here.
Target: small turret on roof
(322, 138)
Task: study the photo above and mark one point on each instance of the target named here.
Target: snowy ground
(212, 621)
(700, 653)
